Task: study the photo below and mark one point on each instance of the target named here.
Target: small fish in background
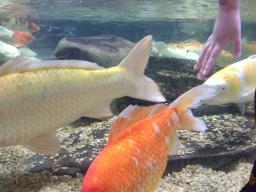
(15, 37)
(192, 45)
(5, 34)
(21, 38)
(38, 97)
(33, 27)
(7, 52)
(190, 49)
(234, 84)
(20, 23)
(251, 45)
(161, 49)
(140, 139)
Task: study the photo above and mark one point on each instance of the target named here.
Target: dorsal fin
(131, 115)
(22, 64)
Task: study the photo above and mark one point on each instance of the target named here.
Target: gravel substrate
(193, 178)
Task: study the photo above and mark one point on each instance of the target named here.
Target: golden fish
(37, 97)
(196, 47)
(235, 83)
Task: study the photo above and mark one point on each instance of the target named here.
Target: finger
(211, 61)
(236, 47)
(208, 53)
(198, 64)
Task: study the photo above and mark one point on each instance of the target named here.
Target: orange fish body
(140, 139)
(21, 38)
(33, 27)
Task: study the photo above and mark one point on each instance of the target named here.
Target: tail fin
(190, 100)
(135, 63)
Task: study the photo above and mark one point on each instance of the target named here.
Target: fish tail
(191, 100)
(135, 64)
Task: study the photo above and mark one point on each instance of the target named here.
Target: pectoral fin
(100, 111)
(45, 144)
(241, 107)
(173, 145)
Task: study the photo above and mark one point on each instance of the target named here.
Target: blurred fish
(15, 37)
(196, 47)
(234, 84)
(7, 52)
(33, 27)
(21, 38)
(162, 50)
(140, 139)
(249, 45)
(27, 52)
(20, 23)
(5, 34)
(37, 97)
(189, 45)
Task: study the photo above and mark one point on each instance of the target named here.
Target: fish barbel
(37, 97)
(234, 84)
(140, 139)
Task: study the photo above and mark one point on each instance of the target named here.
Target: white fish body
(7, 52)
(38, 97)
(162, 50)
(5, 34)
(235, 83)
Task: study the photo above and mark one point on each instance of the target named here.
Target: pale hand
(227, 27)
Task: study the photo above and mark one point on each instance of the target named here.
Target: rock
(106, 50)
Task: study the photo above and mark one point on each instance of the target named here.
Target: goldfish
(15, 37)
(37, 97)
(33, 27)
(234, 84)
(139, 142)
(194, 46)
(162, 50)
(21, 38)
(20, 23)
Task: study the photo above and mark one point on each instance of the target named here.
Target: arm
(227, 27)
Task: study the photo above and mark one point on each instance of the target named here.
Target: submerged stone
(106, 50)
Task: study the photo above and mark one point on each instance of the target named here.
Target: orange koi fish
(140, 140)
(21, 38)
(33, 27)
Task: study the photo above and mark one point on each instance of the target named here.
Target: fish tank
(104, 32)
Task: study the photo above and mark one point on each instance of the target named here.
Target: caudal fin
(135, 64)
(190, 100)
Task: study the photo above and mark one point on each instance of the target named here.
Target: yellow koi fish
(140, 139)
(235, 83)
(37, 97)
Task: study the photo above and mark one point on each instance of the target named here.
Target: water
(231, 136)
(169, 21)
